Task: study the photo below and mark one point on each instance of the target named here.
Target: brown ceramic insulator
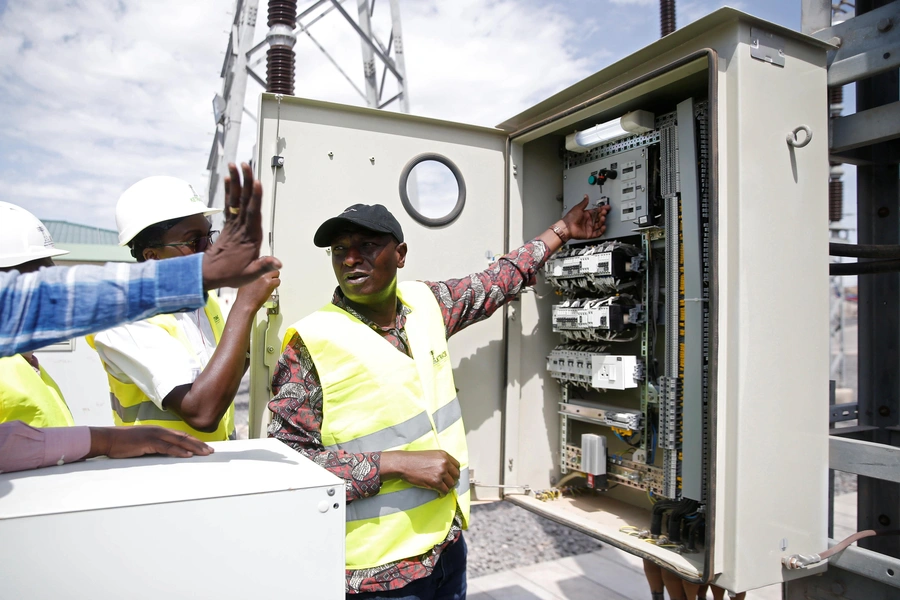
(280, 71)
(836, 95)
(666, 17)
(282, 12)
(835, 200)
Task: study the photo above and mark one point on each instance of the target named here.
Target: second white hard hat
(23, 238)
(154, 200)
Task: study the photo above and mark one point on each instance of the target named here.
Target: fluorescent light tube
(636, 122)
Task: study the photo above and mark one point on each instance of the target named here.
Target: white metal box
(759, 437)
(218, 526)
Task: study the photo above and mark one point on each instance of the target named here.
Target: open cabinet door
(333, 156)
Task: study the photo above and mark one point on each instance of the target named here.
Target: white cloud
(96, 95)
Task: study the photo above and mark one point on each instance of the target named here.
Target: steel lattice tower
(285, 26)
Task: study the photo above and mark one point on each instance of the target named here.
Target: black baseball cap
(369, 216)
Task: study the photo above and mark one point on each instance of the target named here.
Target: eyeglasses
(198, 244)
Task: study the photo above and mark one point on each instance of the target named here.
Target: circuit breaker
(688, 345)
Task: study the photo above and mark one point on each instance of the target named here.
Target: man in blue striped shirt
(59, 303)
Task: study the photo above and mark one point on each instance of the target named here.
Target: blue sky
(97, 94)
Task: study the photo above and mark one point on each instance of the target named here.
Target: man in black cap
(364, 388)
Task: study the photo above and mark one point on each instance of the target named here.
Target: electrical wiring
(884, 251)
(567, 478)
(864, 268)
(632, 531)
(799, 561)
(591, 336)
(682, 509)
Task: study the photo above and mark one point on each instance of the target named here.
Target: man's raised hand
(234, 259)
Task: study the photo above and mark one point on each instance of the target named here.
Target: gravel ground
(503, 536)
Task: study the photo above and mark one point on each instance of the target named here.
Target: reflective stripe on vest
(130, 406)
(29, 397)
(145, 411)
(382, 505)
(376, 398)
(403, 433)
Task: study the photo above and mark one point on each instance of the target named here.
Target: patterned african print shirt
(297, 405)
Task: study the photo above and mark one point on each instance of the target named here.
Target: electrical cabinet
(650, 376)
(160, 527)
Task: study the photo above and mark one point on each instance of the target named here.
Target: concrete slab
(508, 585)
(556, 578)
(601, 569)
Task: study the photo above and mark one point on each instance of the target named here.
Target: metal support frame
(864, 128)
(231, 101)
(878, 213)
(374, 52)
(865, 458)
(242, 58)
(868, 53)
(867, 44)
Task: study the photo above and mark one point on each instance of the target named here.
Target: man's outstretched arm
(59, 303)
(477, 296)
(23, 447)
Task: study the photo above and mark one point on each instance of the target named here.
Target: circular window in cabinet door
(432, 190)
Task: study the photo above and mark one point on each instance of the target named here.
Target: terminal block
(594, 369)
(636, 474)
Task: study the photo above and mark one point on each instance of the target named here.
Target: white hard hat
(154, 200)
(23, 238)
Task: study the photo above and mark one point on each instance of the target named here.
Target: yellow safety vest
(130, 406)
(377, 399)
(31, 398)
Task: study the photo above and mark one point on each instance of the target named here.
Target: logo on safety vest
(439, 357)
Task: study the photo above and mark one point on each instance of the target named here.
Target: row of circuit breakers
(615, 296)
